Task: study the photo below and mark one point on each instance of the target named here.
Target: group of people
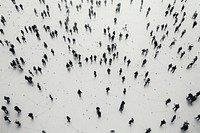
(110, 55)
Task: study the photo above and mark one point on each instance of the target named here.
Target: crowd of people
(20, 63)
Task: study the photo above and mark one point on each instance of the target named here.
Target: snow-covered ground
(146, 105)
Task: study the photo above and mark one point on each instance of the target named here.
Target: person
(122, 106)
(95, 74)
(148, 130)
(173, 118)
(16, 108)
(173, 69)
(50, 96)
(79, 92)
(107, 89)
(98, 111)
(7, 99)
(148, 10)
(176, 107)
(18, 123)
(169, 66)
(135, 74)
(144, 62)
(185, 126)
(68, 119)
(162, 123)
(182, 54)
(147, 82)
(146, 75)
(4, 108)
(6, 118)
(124, 91)
(198, 117)
(183, 32)
(131, 121)
(31, 115)
(123, 79)
(120, 71)
(128, 62)
(167, 101)
(194, 24)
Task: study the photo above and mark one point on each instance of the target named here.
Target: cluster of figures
(19, 63)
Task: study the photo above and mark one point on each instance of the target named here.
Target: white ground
(145, 105)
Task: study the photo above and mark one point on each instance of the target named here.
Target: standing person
(141, 5)
(121, 108)
(173, 118)
(176, 107)
(198, 117)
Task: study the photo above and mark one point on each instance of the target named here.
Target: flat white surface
(145, 105)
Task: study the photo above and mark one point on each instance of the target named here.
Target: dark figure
(115, 20)
(184, 31)
(68, 119)
(40, 69)
(124, 58)
(7, 119)
(21, 6)
(39, 87)
(173, 118)
(120, 71)
(144, 62)
(98, 111)
(173, 69)
(121, 108)
(148, 130)
(198, 117)
(179, 50)
(128, 62)
(22, 60)
(146, 75)
(18, 123)
(50, 96)
(190, 47)
(4, 108)
(43, 131)
(16, 108)
(135, 74)
(79, 92)
(148, 10)
(162, 123)
(108, 71)
(194, 24)
(185, 126)
(107, 89)
(31, 115)
(131, 121)
(167, 101)
(45, 57)
(45, 45)
(123, 79)
(7, 99)
(126, 36)
(30, 72)
(43, 62)
(124, 91)
(172, 43)
(191, 98)
(169, 66)
(148, 24)
(147, 82)
(182, 54)
(95, 74)
(29, 79)
(176, 107)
